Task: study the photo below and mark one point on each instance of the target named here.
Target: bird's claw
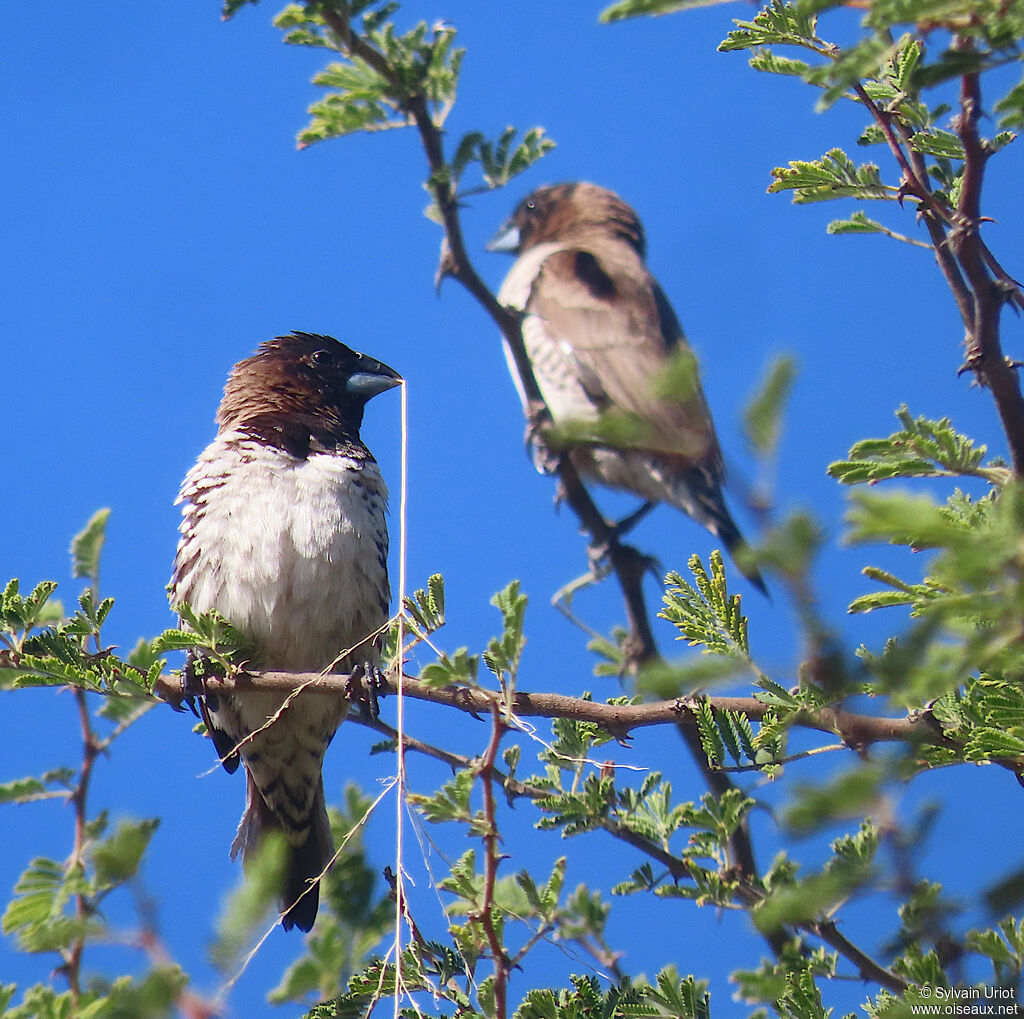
(598, 559)
(366, 683)
(599, 556)
(538, 421)
(193, 682)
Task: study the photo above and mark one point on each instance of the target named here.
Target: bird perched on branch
(284, 534)
(609, 357)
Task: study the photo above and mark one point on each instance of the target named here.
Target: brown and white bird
(284, 533)
(602, 340)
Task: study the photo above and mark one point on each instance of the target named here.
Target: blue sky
(159, 223)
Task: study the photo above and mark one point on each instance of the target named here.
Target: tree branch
(979, 284)
(984, 350)
(866, 966)
(915, 180)
(857, 731)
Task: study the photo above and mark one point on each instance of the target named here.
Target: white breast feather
(291, 549)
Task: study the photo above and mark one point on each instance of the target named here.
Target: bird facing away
(604, 344)
(284, 533)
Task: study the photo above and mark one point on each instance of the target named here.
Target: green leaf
(687, 999)
(503, 653)
(941, 144)
(805, 901)
(919, 596)
(459, 669)
(766, 60)
(637, 8)
(1011, 107)
(229, 8)
(835, 175)
(778, 23)
(23, 790)
(502, 161)
(19, 615)
(852, 794)
(922, 448)
(87, 545)
(664, 680)
(452, 802)
(868, 59)
(426, 606)
(899, 519)
(117, 858)
(710, 737)
(248, 905)
(704, 612)
(791, 546)
(38, 896)
(762, 416)
(207, 630)
(858, 223)
(371, 94)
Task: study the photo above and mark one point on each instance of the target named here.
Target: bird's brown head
(302, 390)
(567, 212)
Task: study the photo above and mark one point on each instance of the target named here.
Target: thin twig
(492, 857)
(72, 967)
(936, 217)
(827, 931)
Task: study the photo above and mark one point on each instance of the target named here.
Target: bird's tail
(306, 859)
(700, 497)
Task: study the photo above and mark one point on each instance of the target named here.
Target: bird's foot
(600, 552)
(599, 560)
(366, 684)
(198, 668)
(538, 422)
(606, 556)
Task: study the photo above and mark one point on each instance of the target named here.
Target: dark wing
(629, 351)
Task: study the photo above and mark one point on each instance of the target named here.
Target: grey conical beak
(371, 377)
(506, 239)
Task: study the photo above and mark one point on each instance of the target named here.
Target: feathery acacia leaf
(835, 175)
(923, 448)
(705, 614)
(87, 545)
(762, 417)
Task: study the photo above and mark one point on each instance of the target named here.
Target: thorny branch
(979, 284)
(984, 349)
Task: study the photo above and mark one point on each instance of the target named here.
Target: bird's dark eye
(320, 357)
(532, 206)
